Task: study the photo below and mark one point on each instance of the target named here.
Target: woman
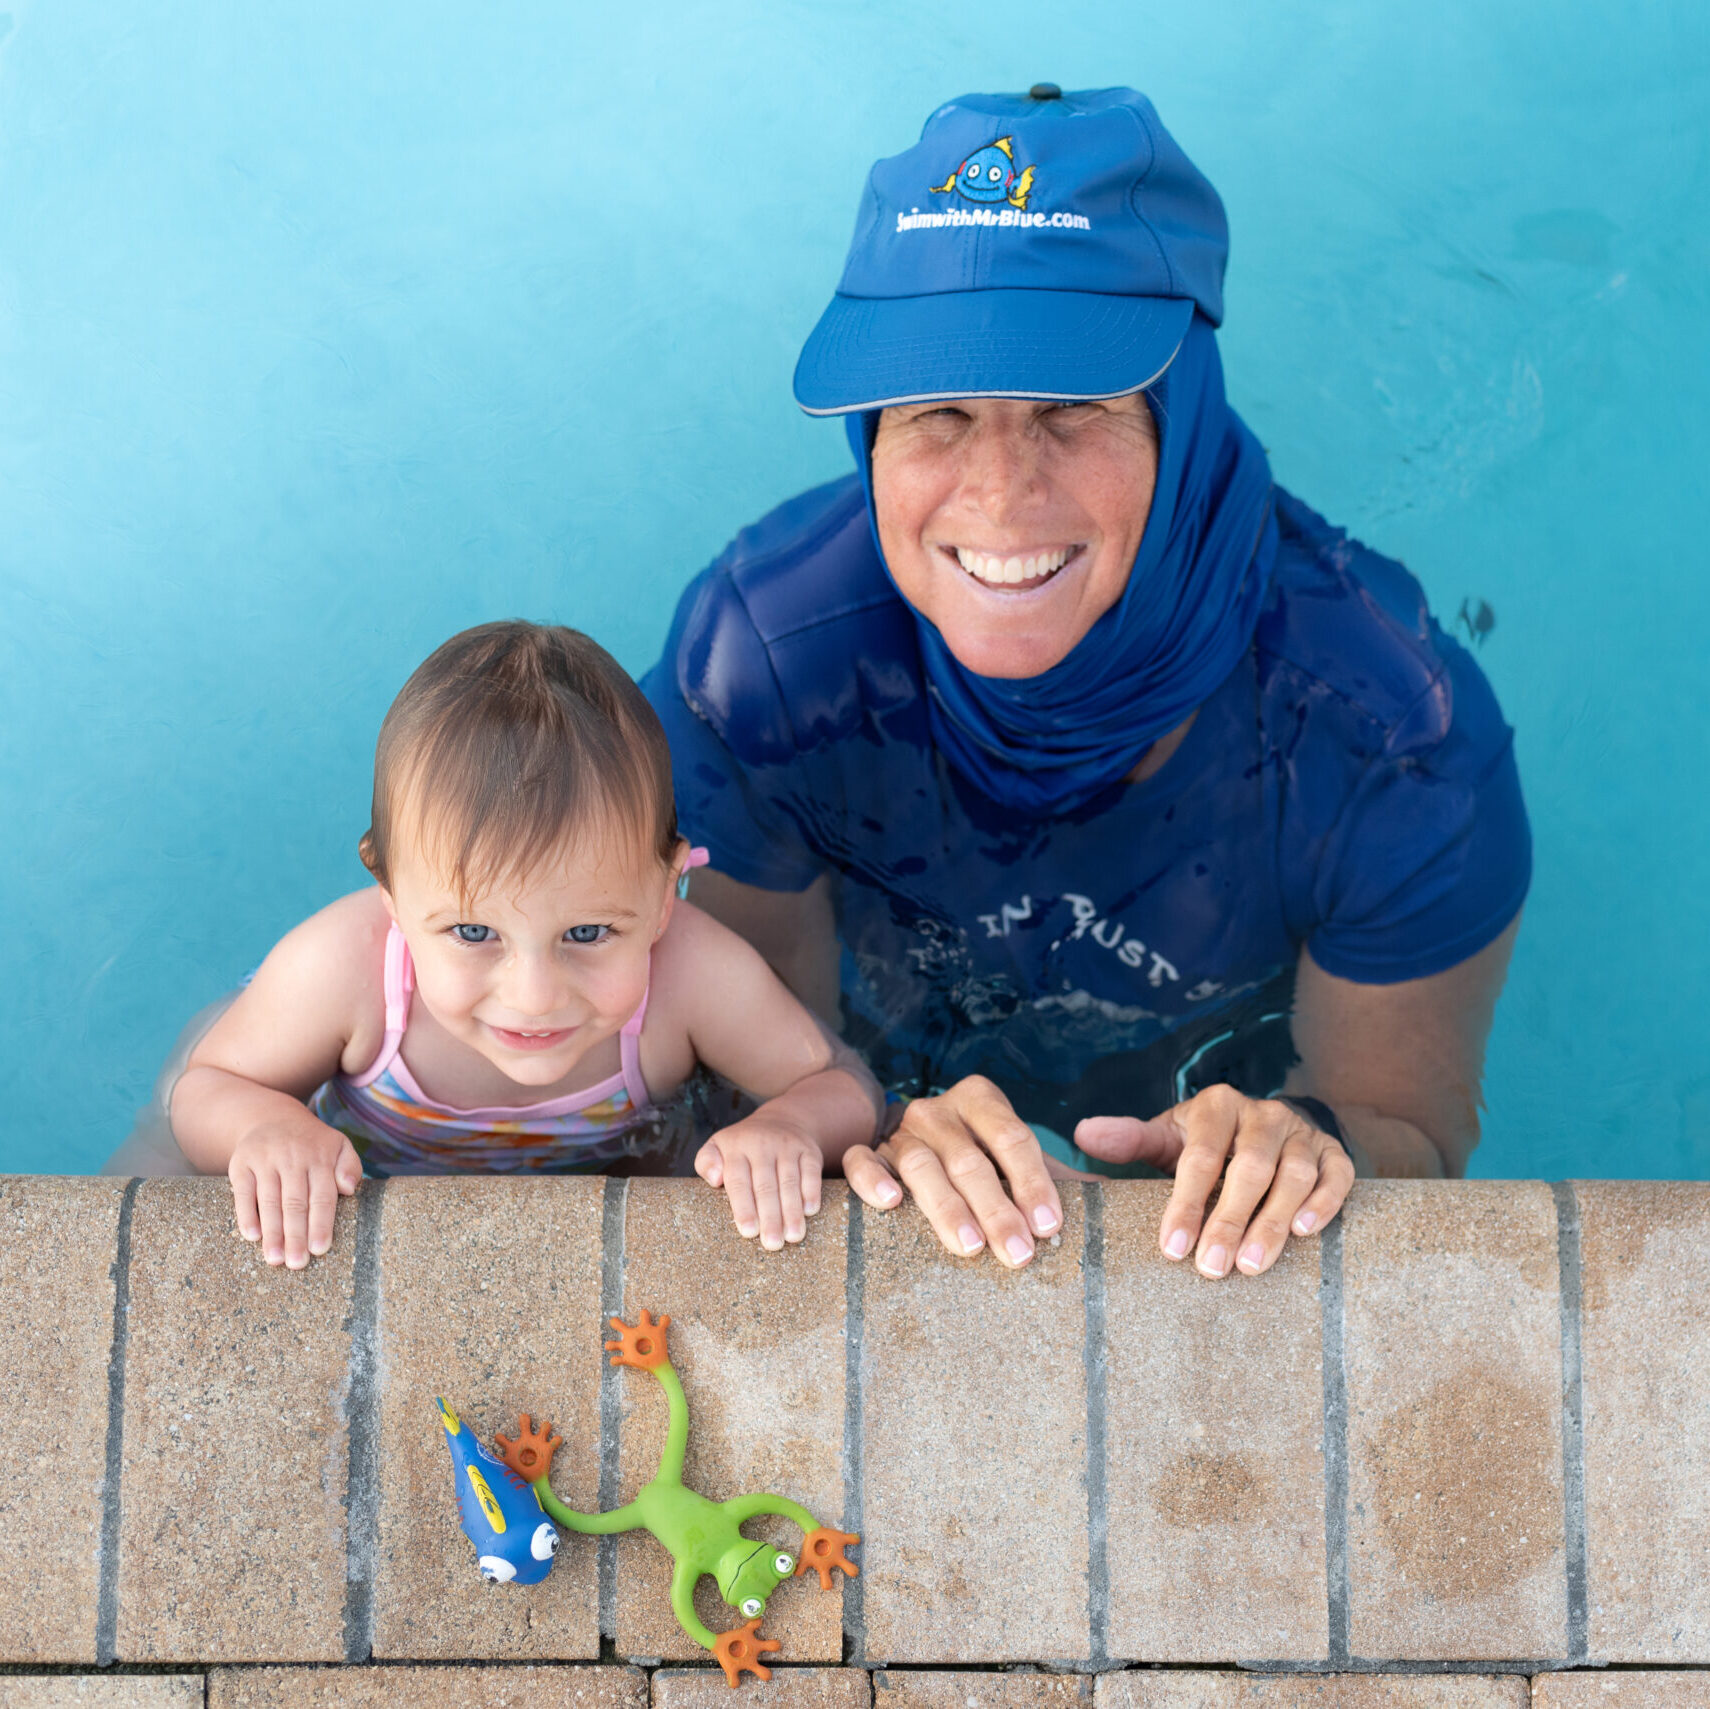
(1100, 785)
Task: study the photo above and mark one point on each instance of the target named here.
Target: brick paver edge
(614, 1208)
(107, 1594)
(1335, 1426)
(1573, 1421)
(854, 1376)
(1098, 1517)
(362, 1424)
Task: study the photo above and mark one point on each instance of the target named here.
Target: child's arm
(315, 1004)
(743, 1023)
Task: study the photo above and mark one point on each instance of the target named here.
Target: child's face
(538, 971)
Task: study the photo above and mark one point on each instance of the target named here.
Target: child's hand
(287, 1177)
(770, 1171)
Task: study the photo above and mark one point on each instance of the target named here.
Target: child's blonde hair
(510, 741)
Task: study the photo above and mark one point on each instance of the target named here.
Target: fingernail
(748, 1229)
(318, 1248)
(971, 1238)
(1306, 1222)
(1178, 1244)
(1045, 1219)
(273, 1255)
(1019, 1248)
(295, 1263)
(885, 1193)
(1215, 1262)
(1253, 1256)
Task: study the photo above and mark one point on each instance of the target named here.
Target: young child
(521, 987)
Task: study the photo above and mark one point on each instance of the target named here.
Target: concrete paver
(232, 1540)
(1214, 1449)
(973, 1406)
(1187, 1690)
(947, 1690)
(56, 1336)
(788, 1688)
(1453, 1337)
(757, 1338)
(530, 1687)
(1648, 1690)
(489, 1296)
(101, 1691)
(1645, 1359)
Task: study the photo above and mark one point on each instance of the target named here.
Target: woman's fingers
(1335, 1181)
(869, 1179)
(1127, 1139)
(1312, 1165)
(949, 1151)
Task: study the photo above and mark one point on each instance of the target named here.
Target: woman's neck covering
(1047, 744)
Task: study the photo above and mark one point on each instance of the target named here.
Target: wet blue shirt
(1350, 787)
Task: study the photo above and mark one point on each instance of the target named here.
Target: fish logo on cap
(988, 176)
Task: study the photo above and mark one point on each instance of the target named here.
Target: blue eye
(587, 934)
(471, 934)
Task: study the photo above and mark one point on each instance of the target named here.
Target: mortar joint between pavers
(107, 1583)
(362, 1425)
(1335, 1353)
(854, 1373)
(614, 1209)
(1573, 1421)
(1098, 1516)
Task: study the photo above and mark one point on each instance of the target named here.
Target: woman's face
(1011, 525)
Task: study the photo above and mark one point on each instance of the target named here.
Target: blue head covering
(1049, 743)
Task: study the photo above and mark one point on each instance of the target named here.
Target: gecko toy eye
(783, 1565)
(752, 1608)
(543, 1545)
(496, 1571)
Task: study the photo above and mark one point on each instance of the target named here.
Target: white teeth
(1005, 572)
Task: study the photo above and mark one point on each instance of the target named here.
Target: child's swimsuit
(398, 1130)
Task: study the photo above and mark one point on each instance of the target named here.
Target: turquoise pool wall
(326, 330)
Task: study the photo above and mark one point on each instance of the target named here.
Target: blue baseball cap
(1045, 245)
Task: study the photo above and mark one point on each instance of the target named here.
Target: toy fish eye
(752, 1607)
(994, 173)
(544, 1543)
(972, 169)
(496, 1571)
(783, 1565)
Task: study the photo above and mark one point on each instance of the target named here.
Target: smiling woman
(1092, 783)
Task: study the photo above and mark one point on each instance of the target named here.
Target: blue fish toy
(514, 1540)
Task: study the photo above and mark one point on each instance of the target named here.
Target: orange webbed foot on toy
(741, 1648)
(530, 1456)
(822, 1550)
(643, 1346)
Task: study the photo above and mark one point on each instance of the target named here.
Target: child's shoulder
(336, 959)
(695, 959)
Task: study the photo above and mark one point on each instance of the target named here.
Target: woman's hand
(287, 1177)
(770, 1171)
(954, 1153)
(1281, 1175)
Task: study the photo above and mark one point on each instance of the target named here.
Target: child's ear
(676, 885)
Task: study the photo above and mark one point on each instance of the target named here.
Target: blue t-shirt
(1350, 787)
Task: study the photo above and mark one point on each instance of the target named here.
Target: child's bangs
(494, 823)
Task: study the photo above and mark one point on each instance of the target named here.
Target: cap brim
(872, 352)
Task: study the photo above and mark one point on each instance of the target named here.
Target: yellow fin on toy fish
(1018, 196)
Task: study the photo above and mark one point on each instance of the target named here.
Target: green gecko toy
(703, 1536)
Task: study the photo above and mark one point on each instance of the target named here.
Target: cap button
(1045, 92)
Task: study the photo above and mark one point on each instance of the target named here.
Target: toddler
(521, 987)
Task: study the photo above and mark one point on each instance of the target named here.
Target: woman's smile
(1017, 569)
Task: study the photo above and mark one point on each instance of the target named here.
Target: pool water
(325, 331)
